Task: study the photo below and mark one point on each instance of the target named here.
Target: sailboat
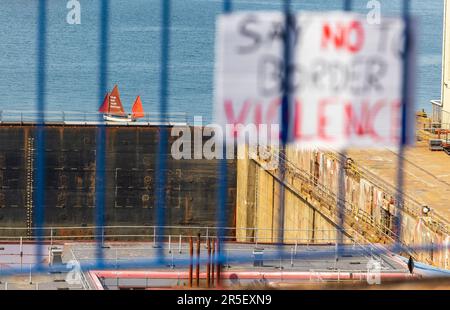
(113, 110)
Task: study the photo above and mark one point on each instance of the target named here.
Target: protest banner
(345, 85)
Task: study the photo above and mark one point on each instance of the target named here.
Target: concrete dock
(311, 197)
(426, 173)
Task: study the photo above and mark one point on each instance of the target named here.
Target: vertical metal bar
(170, 244)
(161, 177)
(100, 178)
(223, 181)
(227, 6)
(347, 6)
(405, 105)
(285, 104)
(222, 200)
(292, 257)
(39, 215)
(30, 278)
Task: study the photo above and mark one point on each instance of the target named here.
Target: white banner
(346, 85)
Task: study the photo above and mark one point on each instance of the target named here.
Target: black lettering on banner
(249, 26)
(246, 31)
(359, 76)
(270, 75)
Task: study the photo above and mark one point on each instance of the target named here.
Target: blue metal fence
(100, 154)
(41, 102)
(160, 174)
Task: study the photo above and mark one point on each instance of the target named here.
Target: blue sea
(134, 51)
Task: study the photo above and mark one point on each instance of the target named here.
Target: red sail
(115, 105)
(105, 105)
(138, 109)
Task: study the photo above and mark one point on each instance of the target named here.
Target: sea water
(134, 51)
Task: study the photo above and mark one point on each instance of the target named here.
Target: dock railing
(174, 234)
(176, 240)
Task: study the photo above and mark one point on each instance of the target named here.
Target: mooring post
(213, 254)
(208, 265)
(219, 280)
(197, 269)
(191, 259)
(30, 279)
(21, 253)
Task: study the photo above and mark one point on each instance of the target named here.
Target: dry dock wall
(310, 205)
(257, 217)
(131, 154)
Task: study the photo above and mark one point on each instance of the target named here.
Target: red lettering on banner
(341, 36)
(272, 111)
(358, 121)
(229, 112)
(258, 115)
(323, 119)
(352, 122)
(364, 124)
(298, 116)
(358, 30)
(337, 38)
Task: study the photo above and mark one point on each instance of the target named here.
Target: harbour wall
(130, 165)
